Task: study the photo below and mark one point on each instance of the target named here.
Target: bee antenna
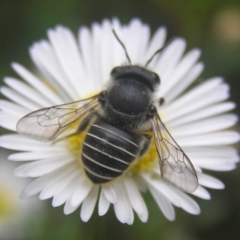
(123, 46)
(158, 51)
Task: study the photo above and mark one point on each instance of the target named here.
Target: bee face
(117, 137)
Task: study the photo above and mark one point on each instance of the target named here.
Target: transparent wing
(48, 123)
(175, 165)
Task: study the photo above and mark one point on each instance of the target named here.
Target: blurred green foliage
(26, 21)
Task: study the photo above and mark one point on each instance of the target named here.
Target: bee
(120, 123)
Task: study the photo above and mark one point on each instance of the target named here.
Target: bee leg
(82, 126)
(85, 122)
(161, 101)
(146, 141)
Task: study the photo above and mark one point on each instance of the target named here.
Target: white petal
(96, 34)
(106, 56)
(187, 203)
(203, 113)
(212, 163)
(36, 83)
(142, 53)
(41, 167)
(202, 193)
(163, 203)
(220, 167)
(12, 108)
(141, 184)
(8, 121)
(37, 185)
(176, 196)
(67, 51)
(57, 186)
(209, 181)
(186, 63)
(103, 204)
(30, 156)
(135, 38)
(210, 139)
(205, 126)
(85, 43)
(156, 43)
(17, 142)
(67, 189)
(211, 157)
(184, 82)
(69, 208)
(122, 206)
(109, 193)
(130, 219)
(136, 199)
(118, 53)
(230, 154)
(44, 57)
(84, 187)
(160, 186)
(212, 91)
(197, 168)
(40, 183)
(27, 91)
(89, 204)
(168, 60)
(19, 99)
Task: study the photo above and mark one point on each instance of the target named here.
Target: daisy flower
(16, 214)
(69, 69)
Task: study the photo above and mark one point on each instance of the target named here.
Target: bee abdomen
(108, 151)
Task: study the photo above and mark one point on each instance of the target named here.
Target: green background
(207, 24)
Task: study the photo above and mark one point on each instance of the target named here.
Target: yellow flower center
(147, 161)
(75, 144)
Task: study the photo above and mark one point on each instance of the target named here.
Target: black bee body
(108, 151)
(111, 145)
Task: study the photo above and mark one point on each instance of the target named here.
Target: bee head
(137, 73)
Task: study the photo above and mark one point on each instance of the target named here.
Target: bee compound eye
(151, 110)
(102, 96)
